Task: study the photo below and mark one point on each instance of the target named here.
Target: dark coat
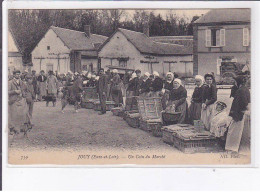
(209, 95)
(41, 78)
(233, 91)
(134, 85)
(157, 84)
(77, 86)
(12, 86)
(168, 86)
(197, 94)
(178, 95)
(102, 85)
(239, 104)
(145, 86)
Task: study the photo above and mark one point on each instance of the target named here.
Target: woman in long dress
(156, 85)
(42, 85)
(52, 88)
(209, 97)
(145, 86)
(238, 108)
(196, 100)
(177, 100)
(116, 86)
(167, 87)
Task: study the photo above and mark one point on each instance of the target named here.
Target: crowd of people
(27, 88)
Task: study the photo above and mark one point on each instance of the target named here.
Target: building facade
(129, 50)
(221, 36)
(15, 58)
(64, 50)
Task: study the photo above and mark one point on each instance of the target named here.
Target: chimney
(87, 30)
(146, 29)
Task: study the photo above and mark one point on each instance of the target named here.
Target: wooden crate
(167, 132)
(189, 140)
(150, 108)
(125, 113)
(116, 110)
(89, 104)
(109, 105)
(89, 93)
(133, 120)
(151, 125)
(131, 103)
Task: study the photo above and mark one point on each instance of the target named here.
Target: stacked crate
(188, 139)
(150, 110)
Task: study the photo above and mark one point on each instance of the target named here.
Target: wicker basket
(125, 113)
(109, 105)
(170, 118)
(133, 120)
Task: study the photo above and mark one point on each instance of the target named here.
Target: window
(122, 62)
(48, 48)
(215, 38)
(245, 37)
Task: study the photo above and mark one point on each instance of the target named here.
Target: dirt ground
(87, 130)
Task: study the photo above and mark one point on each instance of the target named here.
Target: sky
(189, 13)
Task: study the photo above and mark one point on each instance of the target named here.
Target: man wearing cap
(17, 104)
(102, 90)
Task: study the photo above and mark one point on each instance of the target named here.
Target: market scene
(130, 88)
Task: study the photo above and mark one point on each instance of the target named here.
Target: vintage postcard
(150, 87)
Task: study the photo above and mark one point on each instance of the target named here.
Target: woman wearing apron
(196, 100)
(209, 97)
(238, 107)
(177, 100)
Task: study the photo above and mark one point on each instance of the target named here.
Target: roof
(15, 40)
(147, 45)
(225, 16)
(181, 40)
(76, 40)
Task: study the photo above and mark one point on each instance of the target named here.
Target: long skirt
(183, 109)
(238, 136)
(18, 114)
(42, 89)
(207, 115)
(195, 111)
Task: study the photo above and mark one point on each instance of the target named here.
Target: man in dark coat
(102, 88)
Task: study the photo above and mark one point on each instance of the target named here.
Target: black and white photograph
(129, 86)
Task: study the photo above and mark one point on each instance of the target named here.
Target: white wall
(87, 62)
(49, 57)
(11, 44)
(119, 46)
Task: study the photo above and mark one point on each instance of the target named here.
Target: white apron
(207, 115)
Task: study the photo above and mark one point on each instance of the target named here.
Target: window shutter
(219, 60)
(245, 37)
(208, 38)
(222, 37)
